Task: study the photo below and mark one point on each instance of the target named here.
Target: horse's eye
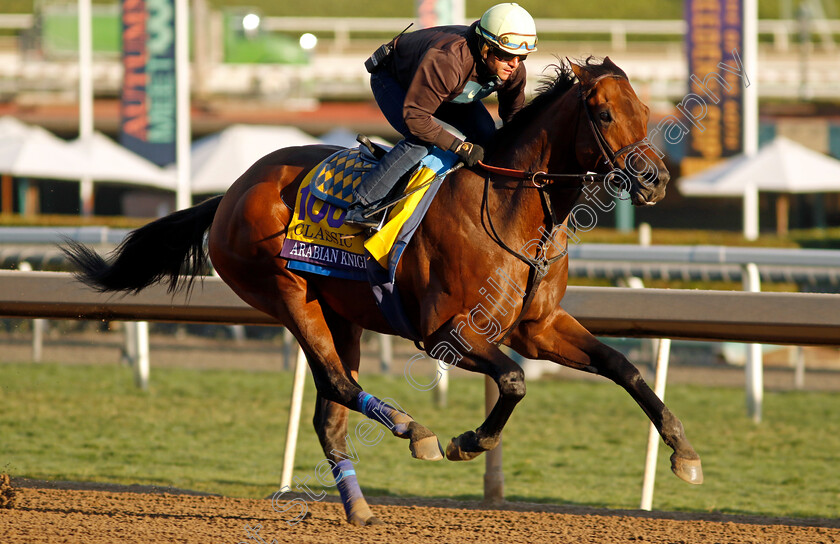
(605, 116)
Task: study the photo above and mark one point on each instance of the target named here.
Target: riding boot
(376, 185)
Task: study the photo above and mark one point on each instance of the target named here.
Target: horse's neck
(545, 146)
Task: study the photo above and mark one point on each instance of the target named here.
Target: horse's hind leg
(287, 298)
(331, 427)
(563, 340)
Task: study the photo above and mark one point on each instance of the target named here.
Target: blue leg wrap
(348, 485)
(382, 412)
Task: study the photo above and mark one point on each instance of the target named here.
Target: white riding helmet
(510, 28)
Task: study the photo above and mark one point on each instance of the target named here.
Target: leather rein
(539, 265)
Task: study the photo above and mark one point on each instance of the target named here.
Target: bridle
(539, 265)
(541, 179)
(607, 154)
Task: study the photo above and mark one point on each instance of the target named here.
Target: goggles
(512, 41)
(518, 42)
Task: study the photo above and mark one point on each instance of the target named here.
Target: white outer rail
(706, 255)
(769, 318)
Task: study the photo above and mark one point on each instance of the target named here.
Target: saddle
(335, 178)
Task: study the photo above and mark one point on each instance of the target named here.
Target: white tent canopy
(30, 151)
(106, 160)
(10, 126)
(219, 159)
(782, 166)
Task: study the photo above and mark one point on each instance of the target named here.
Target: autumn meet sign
(147, 109)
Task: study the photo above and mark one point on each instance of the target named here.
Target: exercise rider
(443, 73)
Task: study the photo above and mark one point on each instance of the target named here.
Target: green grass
(567, 442)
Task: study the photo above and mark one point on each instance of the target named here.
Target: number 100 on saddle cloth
(319, 241)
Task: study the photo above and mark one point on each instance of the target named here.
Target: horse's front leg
(463, 347)
(560, 338)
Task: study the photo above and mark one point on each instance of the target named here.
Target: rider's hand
(470, 153)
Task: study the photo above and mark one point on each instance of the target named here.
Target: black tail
(169, 249)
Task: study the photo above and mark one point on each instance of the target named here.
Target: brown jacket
(435, 65)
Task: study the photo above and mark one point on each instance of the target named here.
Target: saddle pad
(335, 178)
(317, 240)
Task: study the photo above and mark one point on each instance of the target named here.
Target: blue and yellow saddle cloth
(318, 241)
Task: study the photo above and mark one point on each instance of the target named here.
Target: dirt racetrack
(97, 513)
(54, 512)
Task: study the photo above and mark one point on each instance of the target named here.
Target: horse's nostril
(650, 178)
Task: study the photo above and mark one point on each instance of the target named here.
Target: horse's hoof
(455, 451)
(359, 522)
(688, 470)
(428, 449)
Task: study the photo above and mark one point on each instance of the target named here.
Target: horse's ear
(608, 63)
(579, 72)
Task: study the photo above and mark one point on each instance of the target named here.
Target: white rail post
(799, 368)
(386, 353)
(662, 359)
(442, 386)
(294, 421)
(141, 366)
(183, 127)
(288, 341)
(645, 234)
(494, 476)
(37, 325)
(85, 99)
(618, 37)
(130, 329)
(341, 40)
(754, 366)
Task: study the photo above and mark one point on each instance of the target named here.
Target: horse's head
(616, 138)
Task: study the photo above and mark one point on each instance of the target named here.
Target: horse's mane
(552, 87)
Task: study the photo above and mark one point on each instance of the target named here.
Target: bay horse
(587, 118)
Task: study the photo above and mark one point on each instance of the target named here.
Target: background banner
(147, 109)
(714, 31)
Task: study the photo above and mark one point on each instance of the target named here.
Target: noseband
(541, 179)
